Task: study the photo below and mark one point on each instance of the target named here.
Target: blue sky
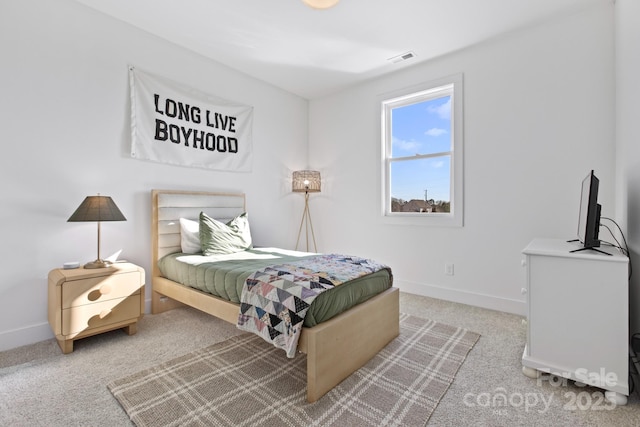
(421, 128)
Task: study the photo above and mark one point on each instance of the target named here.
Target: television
(589, 215)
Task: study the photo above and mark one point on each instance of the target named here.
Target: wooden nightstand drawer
(97, 289)
(90, 316)
(84, 302)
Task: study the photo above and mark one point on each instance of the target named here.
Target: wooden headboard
(168, 206)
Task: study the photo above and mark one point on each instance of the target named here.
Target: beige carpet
(245, 381)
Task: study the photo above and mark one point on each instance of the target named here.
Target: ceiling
(313, 53)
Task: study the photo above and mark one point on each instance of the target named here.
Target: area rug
(245, 381)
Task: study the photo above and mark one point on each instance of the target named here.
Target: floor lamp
(306, 182)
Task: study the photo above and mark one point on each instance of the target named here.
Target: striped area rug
(245, 381)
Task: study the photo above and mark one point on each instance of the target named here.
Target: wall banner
(173, 123)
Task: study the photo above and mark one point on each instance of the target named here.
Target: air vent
(402, 57)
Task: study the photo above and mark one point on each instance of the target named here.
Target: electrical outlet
(448, 269)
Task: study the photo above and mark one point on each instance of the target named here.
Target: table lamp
(97, 208)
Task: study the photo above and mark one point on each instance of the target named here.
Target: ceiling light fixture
(320, 4)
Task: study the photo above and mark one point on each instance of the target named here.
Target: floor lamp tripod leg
(313, 235)
(306, 221)
(300, 229)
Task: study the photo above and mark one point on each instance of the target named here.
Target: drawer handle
(105, 289)
(104, 313)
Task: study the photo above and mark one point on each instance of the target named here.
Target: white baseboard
(24, 336)
(41, 331)
(463, 297)
(35, 333)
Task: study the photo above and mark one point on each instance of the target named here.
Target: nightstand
(85, 302)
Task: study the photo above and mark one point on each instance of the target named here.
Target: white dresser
(578, 315)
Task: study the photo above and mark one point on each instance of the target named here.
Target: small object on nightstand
(70, 265)
(85, 302)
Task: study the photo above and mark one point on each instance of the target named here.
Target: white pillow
(190, 236)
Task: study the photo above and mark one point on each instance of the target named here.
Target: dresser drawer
(96, 289)
(90, 316)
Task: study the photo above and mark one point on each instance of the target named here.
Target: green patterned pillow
(217, 238)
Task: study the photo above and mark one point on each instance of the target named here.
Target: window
(422, 153)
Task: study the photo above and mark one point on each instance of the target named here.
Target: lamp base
(306, 221)
(99, 263)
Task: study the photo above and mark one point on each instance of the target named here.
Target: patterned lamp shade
(306, 181)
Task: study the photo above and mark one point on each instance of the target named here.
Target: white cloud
(443, 110)
(438, 164)
(406, 145)
(435, 132)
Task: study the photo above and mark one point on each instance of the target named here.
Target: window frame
(451, 85)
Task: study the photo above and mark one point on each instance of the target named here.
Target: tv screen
(589, 215)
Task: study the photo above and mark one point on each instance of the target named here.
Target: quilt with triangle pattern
(275, 299)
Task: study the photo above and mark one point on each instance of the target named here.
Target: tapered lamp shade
(306, 181)
(97, 209)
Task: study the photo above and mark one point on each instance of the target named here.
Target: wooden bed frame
(335, 348)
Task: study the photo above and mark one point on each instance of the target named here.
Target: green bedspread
(224, 276)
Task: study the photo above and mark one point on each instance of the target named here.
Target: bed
(334, 348)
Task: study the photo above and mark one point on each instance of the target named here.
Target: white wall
(64, 115)
(627, 15)
(538, 115)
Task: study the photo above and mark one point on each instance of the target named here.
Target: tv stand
(590, 249)
(578, 316)
(586, 248)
